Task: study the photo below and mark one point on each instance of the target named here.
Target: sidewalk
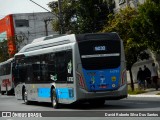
(151, 92)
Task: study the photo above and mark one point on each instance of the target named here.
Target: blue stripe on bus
(101, 80)
(65, 93)
(44, 92)
(62, 93)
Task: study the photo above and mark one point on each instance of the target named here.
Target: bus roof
(55, 40)
(48, 42)
(98, 36)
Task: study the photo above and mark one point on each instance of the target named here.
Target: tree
(9, 47)
(68, 12)
(146, 24)
(134, 47)
(3, 51)
(82, 16)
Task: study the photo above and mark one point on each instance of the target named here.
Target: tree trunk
(131, 76)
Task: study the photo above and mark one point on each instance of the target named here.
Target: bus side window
(4, 69)
(29, 73)
(0, 71)
(61, 67)
(44, 67)
(69, 63)
(22, 70)
(16, 73)
(36, 68)
(51, 67)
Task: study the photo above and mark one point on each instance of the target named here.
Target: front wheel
(54, 99)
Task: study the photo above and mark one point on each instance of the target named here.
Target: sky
(22, 6)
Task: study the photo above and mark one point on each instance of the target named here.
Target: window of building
(22, 23)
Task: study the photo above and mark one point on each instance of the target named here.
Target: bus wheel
(25, 97)
(54, 99)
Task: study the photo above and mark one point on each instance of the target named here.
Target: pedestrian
(154, 75)
(141, 78)
(147, 74)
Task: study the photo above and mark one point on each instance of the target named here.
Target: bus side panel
(7, 83)
(65, 93)
(38, 92)
(42, 92)
(123, 71)
(78, 75)
(18, 91)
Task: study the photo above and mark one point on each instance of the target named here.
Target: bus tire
(25, 97)
(54, 99)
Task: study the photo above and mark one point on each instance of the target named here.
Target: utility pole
(43, 8)
(46, 21)
(46, 26)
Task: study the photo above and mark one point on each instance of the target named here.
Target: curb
(144, 96)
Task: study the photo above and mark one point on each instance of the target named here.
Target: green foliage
(82, 16)
(136, 91)
(146, 24)
(92, 15)
(3, 51)
(122, 23)
(68, 14)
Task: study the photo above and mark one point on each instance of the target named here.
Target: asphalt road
(9, 103)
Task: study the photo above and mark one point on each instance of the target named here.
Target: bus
(72, 68)
(6, 77)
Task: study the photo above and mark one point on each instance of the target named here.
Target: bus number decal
(114, 71)
(100, 48)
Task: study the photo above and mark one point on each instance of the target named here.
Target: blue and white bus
(71, 68)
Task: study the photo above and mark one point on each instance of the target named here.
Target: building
(25, 26)
(7, 31)
(123, 3)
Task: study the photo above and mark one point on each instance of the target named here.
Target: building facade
(119, 4)
(25, 26)
(7, 32)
